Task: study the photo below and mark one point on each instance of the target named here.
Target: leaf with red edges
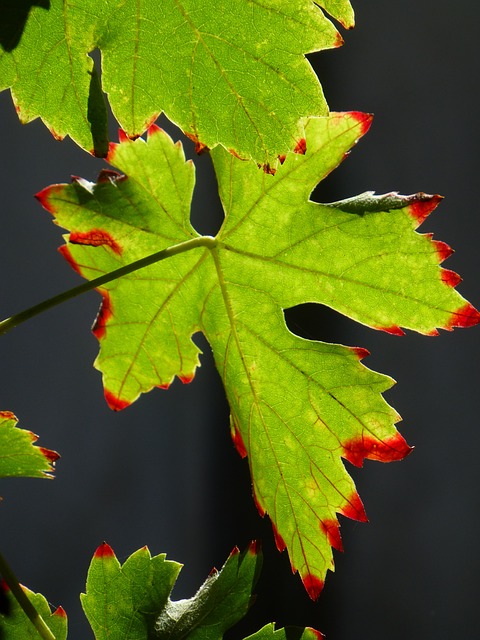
(19, 456)
(237, 77)
(17, 626)
(299, 408)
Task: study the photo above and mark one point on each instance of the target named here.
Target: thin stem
(202, 241)
(22, 599)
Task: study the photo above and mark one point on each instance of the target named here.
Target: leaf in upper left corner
(19, 456)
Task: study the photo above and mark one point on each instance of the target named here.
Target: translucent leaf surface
(238, 77)
(19, 456)
(17, 626)
(297, 406)
(133, 600)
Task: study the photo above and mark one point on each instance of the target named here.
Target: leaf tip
(442, 249)
(254, 548)
(301, 147)
(187, 378)
(313, 585)
(104, 551)
(450, 278)
(153, 129)
(279, 541)
(238, 441)
(104, 314)
(466, 316)
(364, 120)
(393, 330)
(114, 402)
(316, 635)
(60, 612)
(200, 147)
(50, 455)
(386, 450)
(331, 528)
(354, 509)
(422, 206)
(122, 136)
(44, 195)
(360, 352)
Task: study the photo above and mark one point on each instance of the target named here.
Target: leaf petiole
(201, 241)
(22, 599)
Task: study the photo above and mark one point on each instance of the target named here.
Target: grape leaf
(297, 406)
(238, 77)
(17, 626)
(19, 457)
(133, 600)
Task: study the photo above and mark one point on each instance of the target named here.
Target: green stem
(22, 599)
(202, 241)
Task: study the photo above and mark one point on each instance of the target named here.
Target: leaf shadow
(13, 19)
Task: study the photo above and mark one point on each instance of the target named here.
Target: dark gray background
(164, 472)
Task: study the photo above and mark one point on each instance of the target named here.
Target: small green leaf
(123, 601)
(298, 407)
(17, 626)
(19, 457)
(236, 77)
(268, 632)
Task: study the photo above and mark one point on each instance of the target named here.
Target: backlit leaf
(19, 456)
(297, 406)
(236, 77)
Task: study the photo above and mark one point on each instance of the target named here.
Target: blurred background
(164, 472)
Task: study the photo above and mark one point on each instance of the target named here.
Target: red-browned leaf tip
(8, 415)
(164, 386)
(153, 129)
(122, 136)
(60, 612)
(317, 634)
(331, 528)
(65, 251)
(43, 197)
(51, 456)
(338, 41)
(254, 548)
(56, 135)
(234, 552)
(364, 119)
(213, 572)
(301, 147)
(282, 159)
(115, 403)
(313, 585)
(422, 206)
(366, 446)
(187, 379)
(360, 352)
(235, 154)
(393, 330)
(199, 146)
(354, 509)
(433, 332)
(112, 147)
(95, 238)
(268, 169)
(450, 278)
(279, 541)
(103, 316)
(260, 509)
(104, 551)
(442, 249)
(466, 316)
(238, 442)
(107, 175)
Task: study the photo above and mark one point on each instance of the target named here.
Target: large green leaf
(236, 76)
(297, 406)
(19, 457)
